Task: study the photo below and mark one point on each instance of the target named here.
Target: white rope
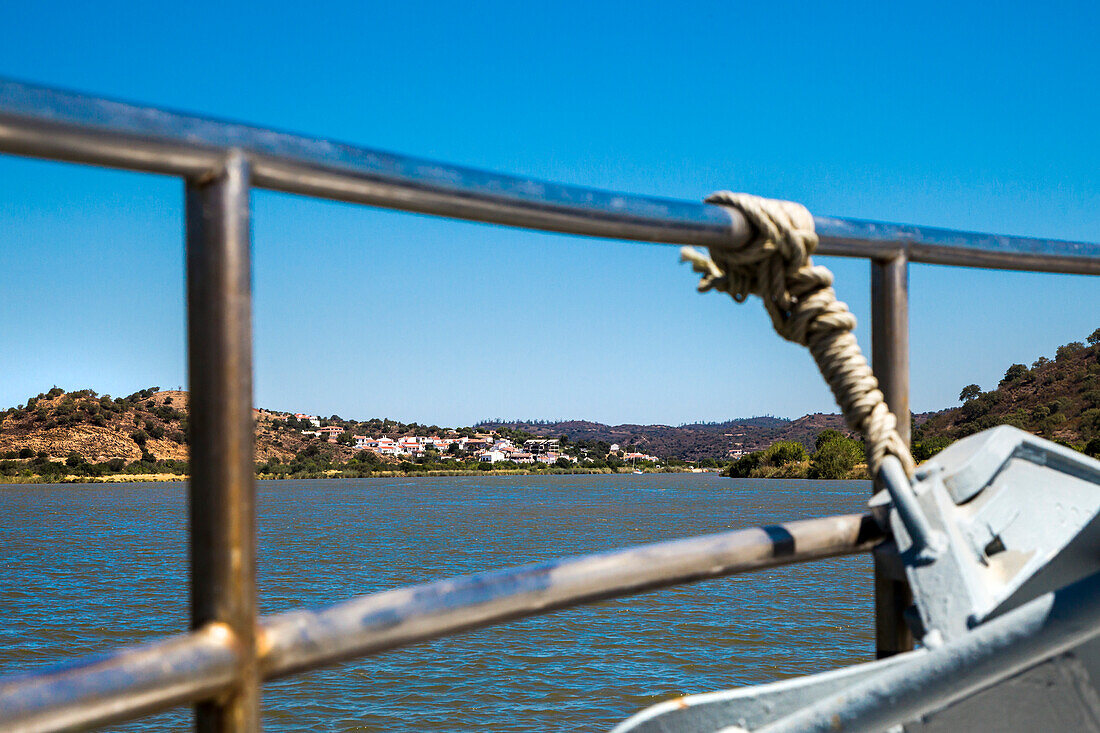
(776, 265)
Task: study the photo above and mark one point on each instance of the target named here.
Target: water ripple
(90, 567)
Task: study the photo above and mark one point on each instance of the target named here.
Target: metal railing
(221, 662)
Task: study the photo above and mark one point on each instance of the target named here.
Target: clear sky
(968, 115)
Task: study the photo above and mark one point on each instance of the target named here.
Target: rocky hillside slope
(149, 424)
(1057, 398)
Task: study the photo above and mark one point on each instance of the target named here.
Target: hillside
(152, 425)
(148, 425)
(1057, 398)
(146, 431)
(691, 442)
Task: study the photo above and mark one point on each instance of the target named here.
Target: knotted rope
(776, 265)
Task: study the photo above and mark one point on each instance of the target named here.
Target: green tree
(969, 392)
(784, 452)
(827, 435)
(1092, 448)
(1068, 350)
(925, 449)
(1015, 373)
(1094, 338)
(74, 459)
(835, 458)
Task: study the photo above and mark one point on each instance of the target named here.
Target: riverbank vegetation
(835, 456)
(83, 436)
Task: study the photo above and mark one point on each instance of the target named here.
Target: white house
(311, 419)
(491, 456)
(384, 446)
(411, 446)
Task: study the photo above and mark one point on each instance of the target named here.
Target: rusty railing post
(890, 360)
(222, 506)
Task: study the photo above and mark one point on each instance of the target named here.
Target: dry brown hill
(148, 422)
(1058, 399)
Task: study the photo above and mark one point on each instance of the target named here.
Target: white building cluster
(486, 448)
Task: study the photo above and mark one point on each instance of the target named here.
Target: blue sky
(960, 115)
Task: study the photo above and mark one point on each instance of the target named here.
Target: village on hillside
(487, 447)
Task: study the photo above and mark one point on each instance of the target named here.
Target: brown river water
(88, 567)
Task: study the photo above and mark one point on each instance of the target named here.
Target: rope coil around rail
(776, 265)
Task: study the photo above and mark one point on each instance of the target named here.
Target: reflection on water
(89, 567)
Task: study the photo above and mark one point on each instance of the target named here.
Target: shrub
(784, 452)
(1067, 351)
(835, 457)
(74, 459)
(1092, 448)
(1090, 420)
(1015, 373)
(1059, 405)
(929, 447)
(979, 406)
(26, 453)
(49, 469)
(139, 437)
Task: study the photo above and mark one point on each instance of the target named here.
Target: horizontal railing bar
(301, 640)
(137, 681)
(46, 123)
(123, 685)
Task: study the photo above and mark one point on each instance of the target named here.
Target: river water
(86, 568)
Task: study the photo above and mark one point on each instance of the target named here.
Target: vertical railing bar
(890, 360)
(222, 491)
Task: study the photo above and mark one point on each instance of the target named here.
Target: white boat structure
(997, 537)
